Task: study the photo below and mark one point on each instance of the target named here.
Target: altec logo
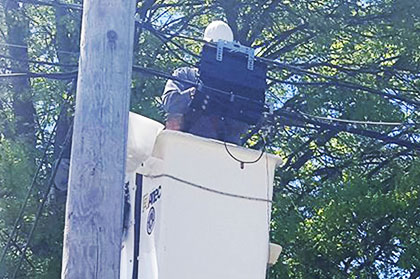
(150, 199)
(151, 220)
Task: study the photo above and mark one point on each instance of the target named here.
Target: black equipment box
(236, 73)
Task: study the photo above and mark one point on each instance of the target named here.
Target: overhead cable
(201, 187)
(39, 62)
(197, 85)
(158, 73)
(59, 76)
(361, 122)
(344, 127)
(57, 4)
(24, 47)
(333, 81)
(44, 199)
(27, 197)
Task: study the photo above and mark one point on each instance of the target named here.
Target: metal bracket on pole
(219, 52)
(251, 56)
(236, 47)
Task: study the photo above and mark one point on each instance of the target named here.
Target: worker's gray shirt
(176, 96)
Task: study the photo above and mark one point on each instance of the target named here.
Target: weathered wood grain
(92, 236)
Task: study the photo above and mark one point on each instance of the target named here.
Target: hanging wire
(241, 162)
(361, 122)
(58, 4)
(58, 76)
(25, 47)
(17, 249)
(28, 195)
(44, 199)
(148, 26)
(158, 73)
(294, 115)
(280, 65)
(201, 187)
(39, 62)
(335, 81)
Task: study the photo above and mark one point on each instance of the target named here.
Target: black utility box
(245, 83)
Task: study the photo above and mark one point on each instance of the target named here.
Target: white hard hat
(218, 30)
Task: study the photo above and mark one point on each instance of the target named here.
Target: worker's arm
(177, 95)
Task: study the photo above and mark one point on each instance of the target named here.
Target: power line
(333, 81)
(58, 76)
(342, 127)
(17, 250)
(201, 187)
(39, 62)
(28, 195)
(57, 4)
(25, 47)
(338, 83)
(44, 199)
(168, 76)
(197, 85)
(158, 73)
(361, 122)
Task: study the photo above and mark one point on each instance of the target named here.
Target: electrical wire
(58, 76)
(336, 82)
(197, 85)
(194, 84)
(53, 4)
(17, 249)
(201, 187)
(158, 73)
(25, 47)
(361, 122)
(277, 64)
(27, 196)
(342, 127)
(39, 62)
(242, 163)
(44, 199)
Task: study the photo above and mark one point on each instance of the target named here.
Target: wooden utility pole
(92, 236)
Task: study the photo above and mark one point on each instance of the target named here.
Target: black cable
(39, 62)
(158, 73)
(242, 163)
(201, 187)
(58, 76)
(305, 119)
(191, 83)
(339, 127)
(28, 195)
(17, 249)
(53, 4)
(44, 199)
(277, 64)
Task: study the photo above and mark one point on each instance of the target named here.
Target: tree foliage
(346, 198)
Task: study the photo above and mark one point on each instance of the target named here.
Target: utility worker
(177, 96)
